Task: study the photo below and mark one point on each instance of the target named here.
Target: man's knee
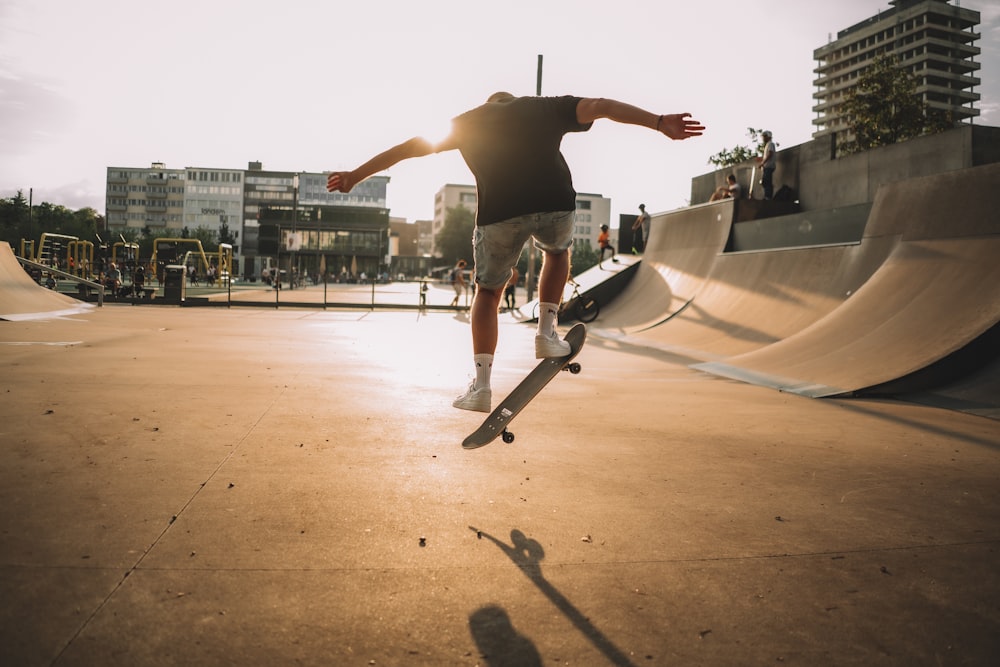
(555, 256)
(489, 292)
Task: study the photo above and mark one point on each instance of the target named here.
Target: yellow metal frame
(82, 254)
(224, 256)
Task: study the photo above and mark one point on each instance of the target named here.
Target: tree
(17, 222)
(727, 157)
(14, 218)
(454, 241)
(584, 257)
(884, 108)
(225, 235)
(207, 237)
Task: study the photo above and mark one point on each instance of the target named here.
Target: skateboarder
(525, 190)
(604, 241)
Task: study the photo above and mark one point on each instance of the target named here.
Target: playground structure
(129, 254)
(75, 257)
(77, 260)
(61, 256)
(170, 254)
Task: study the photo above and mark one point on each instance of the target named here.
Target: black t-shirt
(513, 151)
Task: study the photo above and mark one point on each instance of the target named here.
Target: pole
(295, 214)
(529, 279)
(538, 77)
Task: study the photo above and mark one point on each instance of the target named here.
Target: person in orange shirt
(604, 241)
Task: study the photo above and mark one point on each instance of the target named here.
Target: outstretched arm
(675, 126)
(344, 181)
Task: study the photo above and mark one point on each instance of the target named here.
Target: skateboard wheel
(574, 368)
(508, 437)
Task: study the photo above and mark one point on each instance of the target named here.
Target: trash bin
(174, 284)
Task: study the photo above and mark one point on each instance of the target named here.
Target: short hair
(642, 207)
(500, 96)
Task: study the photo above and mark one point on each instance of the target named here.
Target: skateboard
(496, 424)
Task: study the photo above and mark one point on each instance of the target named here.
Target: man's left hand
(679, 126)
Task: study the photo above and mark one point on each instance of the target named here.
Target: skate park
(773, 455)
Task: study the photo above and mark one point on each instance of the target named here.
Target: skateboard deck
(496, 424)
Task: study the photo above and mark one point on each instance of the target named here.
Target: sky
(320, 85)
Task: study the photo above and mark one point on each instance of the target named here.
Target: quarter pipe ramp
(21, 298)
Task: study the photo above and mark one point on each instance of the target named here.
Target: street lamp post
(295, 238)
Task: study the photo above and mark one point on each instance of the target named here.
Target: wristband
(658, 121)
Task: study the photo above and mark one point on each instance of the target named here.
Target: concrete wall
(821, 182)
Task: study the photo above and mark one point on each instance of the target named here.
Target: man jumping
(525, 191)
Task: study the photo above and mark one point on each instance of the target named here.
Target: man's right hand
(340, 181)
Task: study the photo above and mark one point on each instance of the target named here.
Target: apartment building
(932, 39)
(448, 197)
(150, 197)
(592, 211)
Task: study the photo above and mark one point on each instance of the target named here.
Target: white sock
(484, 365)
(547, 313)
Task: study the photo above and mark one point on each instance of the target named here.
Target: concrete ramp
(936, 292)
(681, 252)
(21, 298)
(922, 283)
(692, 298)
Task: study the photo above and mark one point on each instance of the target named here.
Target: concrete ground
(204, 486)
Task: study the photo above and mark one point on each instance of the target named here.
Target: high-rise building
(931, 39)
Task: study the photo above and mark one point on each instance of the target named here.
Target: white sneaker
(551, 346)
(478, 400)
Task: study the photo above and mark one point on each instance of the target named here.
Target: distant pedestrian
(640, 230)
(458, 281)
(767, 163)
(509, 291)
(731, 189)
(734, 188)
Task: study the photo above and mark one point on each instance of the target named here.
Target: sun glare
(438, 133)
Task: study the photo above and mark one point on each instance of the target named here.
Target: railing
(69, 276)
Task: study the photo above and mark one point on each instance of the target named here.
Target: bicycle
(583, 308)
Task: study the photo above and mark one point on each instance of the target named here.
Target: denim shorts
(498, 246)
